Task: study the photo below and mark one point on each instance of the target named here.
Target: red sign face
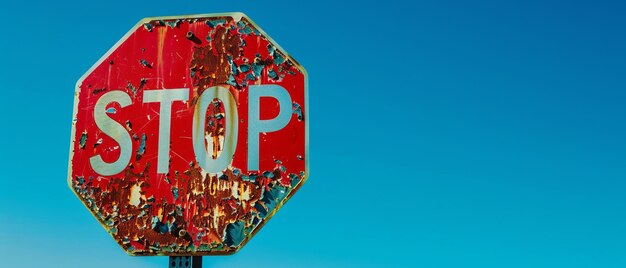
(189, 134)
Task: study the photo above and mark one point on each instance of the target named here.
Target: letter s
(114, 130)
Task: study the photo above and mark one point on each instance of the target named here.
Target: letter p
(256, 125)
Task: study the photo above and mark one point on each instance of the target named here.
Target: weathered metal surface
(158, 115)
(185, 262)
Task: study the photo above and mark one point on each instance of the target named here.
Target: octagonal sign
(189, 134)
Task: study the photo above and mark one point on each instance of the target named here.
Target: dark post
(185, 261)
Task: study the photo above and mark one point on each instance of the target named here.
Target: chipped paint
(188, 211)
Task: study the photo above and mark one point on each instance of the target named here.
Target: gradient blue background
(443, 133)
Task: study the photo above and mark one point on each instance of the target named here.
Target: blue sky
(443, 133)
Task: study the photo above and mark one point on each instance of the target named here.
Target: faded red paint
(169, 54)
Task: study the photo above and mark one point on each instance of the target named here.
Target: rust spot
(145, 63)
(98, 91)
(193, 38)
(210, 64)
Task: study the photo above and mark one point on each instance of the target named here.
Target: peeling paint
(145, 63)
(142, 147)
(188, 211)
(83, 140)
(297, 110)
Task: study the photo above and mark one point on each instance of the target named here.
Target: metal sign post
(185, 262)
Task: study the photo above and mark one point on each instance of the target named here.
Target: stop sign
(189, 134)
